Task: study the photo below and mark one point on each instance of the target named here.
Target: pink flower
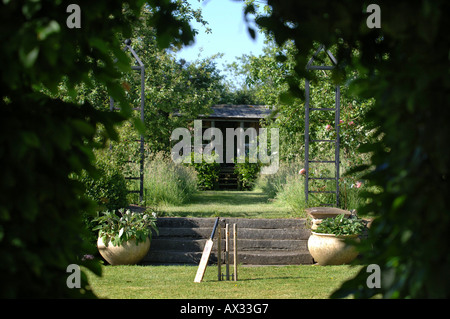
(87, 257)
(358, 184)
(329, 127)
(302, 171)
(351, 123)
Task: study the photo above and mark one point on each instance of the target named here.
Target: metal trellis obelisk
(336, 141)
(141, 68)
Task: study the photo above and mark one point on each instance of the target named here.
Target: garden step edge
(260, 241)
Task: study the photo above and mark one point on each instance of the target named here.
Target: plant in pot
(124, 237)
(329, 242)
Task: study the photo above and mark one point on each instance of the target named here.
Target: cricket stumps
(226, 254)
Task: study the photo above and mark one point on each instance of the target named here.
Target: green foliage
(207, 171)
(341, 226)
(119, 160)
(402, 66)
(292, 193)
(119, 227)
(168, 183)
(247, 173)
(352, 194)
(269, 76)
(273, 184)
(287, 186)
(45, 141)
(109, 189)
(41, 206)
(176, 92)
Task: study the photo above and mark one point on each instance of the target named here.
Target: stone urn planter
(128, 253)
(317, 214)
(332, 231)
(329, 249)
(118, 233)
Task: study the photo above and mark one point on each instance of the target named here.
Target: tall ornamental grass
(168, 183)
(287, 187)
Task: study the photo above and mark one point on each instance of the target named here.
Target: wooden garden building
(225, 116)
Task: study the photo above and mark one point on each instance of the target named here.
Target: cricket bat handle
(215, 227)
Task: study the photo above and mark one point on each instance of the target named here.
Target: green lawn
(264, 282)
(177, 282)
(248, 204)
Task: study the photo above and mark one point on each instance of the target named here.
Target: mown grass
(247, 204)
(177, 282)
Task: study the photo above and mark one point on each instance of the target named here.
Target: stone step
(260, 241)
(243, 233)
(228, 179)
(243, 244)
(274, 223)
(227, 173)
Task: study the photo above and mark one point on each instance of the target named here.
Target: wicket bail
(220, 275)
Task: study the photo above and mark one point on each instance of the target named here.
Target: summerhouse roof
(229, 111)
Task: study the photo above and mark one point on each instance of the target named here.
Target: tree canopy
(44, 140)
(404, 66)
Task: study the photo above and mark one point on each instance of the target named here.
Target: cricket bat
(205, 256)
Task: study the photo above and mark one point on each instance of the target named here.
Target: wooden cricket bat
(206, 253)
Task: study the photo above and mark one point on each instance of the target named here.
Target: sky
(229, 33)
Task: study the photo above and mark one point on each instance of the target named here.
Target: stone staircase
(260, 241)
(227, 177)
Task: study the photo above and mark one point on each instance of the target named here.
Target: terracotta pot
(126, 254)
(327, 249)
